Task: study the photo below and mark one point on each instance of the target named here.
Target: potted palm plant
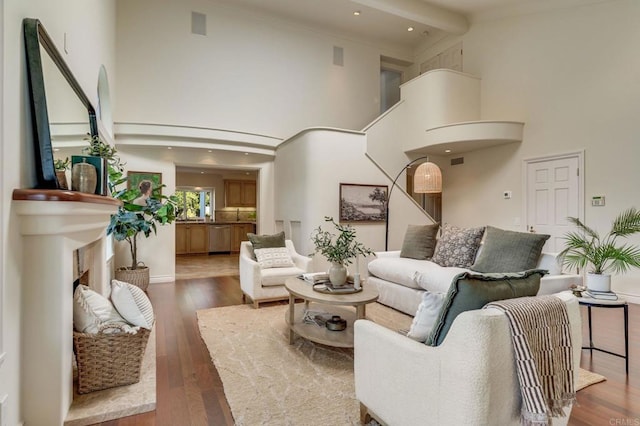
(338, 249)
(585, 248)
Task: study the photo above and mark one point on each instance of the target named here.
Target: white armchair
(266, 285)
(469, 379)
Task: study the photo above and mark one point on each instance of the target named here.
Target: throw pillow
(92, 310)
(131, 302)
(509, 251)
(266, 241)
(426, 316)
(277, 257)
(470, 291)
(457, 246)
(419, 241)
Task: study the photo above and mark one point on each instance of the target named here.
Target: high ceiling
(387, 21)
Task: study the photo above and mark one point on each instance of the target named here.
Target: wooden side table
(590, 302)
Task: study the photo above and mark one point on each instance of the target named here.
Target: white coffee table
(335, 304)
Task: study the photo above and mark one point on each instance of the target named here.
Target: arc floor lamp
(427, 179)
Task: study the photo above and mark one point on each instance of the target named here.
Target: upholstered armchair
(265, 285)
(470, 378)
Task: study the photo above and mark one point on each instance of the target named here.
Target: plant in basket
(134, 218)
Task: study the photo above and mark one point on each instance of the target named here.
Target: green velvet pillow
(266, 241)
(419, 241)
(509, 251)
(470, 291)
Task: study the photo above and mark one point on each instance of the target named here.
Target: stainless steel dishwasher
(219, 238)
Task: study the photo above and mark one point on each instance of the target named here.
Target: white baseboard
(162, 279)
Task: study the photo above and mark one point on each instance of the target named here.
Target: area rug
(587, 378)
(268, 381)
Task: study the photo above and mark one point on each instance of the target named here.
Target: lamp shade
(427, 179)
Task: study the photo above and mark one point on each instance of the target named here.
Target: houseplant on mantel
(339, 250)
(585, 248)
(132, 219)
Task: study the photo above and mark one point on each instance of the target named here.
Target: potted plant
(585, 248)
(338, 249)
(61, 167)
(133, 219)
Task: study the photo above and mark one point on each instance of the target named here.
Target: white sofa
(468, 379)
(265, 285)
(401, 281)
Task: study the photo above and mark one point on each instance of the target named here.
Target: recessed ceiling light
(447, 151)
(210, 150)
(246, 153)
(201, 173)
(169, 147)
(410, 29)
(247, 173)
(56, 149)
(356, 13)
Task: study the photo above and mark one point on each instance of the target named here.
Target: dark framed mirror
(60, 110)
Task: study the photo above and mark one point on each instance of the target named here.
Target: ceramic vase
(599, 282)
(337, 273)
(84, 178)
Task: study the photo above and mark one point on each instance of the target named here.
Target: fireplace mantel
(53, 224)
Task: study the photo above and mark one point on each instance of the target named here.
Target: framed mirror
(61, 112)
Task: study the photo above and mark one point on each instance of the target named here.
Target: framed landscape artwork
(363, 203)
(149, 184)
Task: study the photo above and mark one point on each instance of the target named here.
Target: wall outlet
(506, 195)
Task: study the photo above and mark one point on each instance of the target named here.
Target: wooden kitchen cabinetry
(192, 238)
(239, 193)
(239, 234)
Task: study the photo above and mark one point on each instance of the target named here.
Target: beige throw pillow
(132, 303)
(91, 310)
(276, 257)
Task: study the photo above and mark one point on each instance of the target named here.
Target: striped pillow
(132, 303)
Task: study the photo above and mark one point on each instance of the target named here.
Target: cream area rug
(269, 382)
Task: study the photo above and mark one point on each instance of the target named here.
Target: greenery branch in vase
(585, 249)
(338, 249)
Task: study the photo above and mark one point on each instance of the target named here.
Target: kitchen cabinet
(239, 193)
(239, 233)
(192, 238)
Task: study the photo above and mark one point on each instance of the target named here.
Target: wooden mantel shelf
(62, 195)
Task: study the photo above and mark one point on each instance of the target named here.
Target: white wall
(308, 171)
(90, 34)
(251, 72)
(572, 76)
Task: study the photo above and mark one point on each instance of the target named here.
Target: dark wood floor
(189, 390)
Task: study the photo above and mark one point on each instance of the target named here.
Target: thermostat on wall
(597, 201)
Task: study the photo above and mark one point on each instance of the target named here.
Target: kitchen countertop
(194, 222)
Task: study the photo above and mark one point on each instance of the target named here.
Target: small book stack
(344, 288)
(315, 277)
(602, 295)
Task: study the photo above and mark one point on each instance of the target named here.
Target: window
(194, 203)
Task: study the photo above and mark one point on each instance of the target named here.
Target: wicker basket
(138, 277)
(108, 360)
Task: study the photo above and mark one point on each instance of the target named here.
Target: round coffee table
(334, 304)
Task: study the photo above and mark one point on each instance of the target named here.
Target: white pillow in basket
(132, 303)
(275, 257)
(92, 310)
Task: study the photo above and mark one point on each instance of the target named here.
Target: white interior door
(554, 191)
